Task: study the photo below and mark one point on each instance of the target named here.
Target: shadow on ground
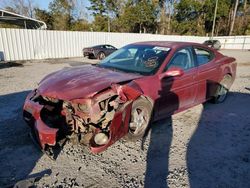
(157, 168)
(9, 64)
(158, 154)
(218, 154)
(18, 155)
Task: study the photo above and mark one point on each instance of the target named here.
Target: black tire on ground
(140, 118)
(101, 55)
(222, 90)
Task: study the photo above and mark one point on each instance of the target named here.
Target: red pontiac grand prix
(141, 82)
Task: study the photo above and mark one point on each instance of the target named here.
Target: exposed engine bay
(85, 121)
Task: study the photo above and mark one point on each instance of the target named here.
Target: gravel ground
(205, 146)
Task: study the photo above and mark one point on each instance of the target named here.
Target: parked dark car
(215, 44)
(99, 51)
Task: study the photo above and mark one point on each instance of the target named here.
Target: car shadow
(161, 133)
(18, 155)
(158, 154)
(9, 64)
(218, 154)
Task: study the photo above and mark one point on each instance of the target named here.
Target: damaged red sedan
(98, 104)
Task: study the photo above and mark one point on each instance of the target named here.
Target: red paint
(80, 82)
(118, 129)
(46, 134)
(169, 95)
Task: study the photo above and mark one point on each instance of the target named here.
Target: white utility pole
(108, 24)
(234, 15)
(215, 13)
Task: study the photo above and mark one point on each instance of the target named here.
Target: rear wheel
(101, 55)
(140, 119)
(222, 91)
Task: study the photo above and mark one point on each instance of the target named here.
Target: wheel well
(148, 99)
(100, 52)
(227, 81)
(229, 74)
(151, 101)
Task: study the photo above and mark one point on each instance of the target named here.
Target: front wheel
(140, 118)
(101, 55)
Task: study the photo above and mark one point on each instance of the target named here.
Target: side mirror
(172, 72)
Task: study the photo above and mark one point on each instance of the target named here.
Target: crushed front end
(97, 121)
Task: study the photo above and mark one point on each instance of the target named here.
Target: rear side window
(203, 56)
(182, 58)
(109, 47)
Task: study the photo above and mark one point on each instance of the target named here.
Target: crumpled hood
(80, 82)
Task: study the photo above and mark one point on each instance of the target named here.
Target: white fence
(21, 44)
(234, 42)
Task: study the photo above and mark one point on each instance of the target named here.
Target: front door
(178, 93)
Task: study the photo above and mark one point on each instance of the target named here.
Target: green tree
(222, 16)
(139, 17)
(44, 16)
(188, 18)
(106, 14)
(98, 7)
(62, 13)
(113, 8)
(100, 23)
(80, 25)
(166, 11)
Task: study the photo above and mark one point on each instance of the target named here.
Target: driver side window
(183, 59)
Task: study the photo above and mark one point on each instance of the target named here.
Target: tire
(101, 55)
(140, 119)
(222, 90)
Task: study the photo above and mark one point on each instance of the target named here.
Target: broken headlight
(83, 108)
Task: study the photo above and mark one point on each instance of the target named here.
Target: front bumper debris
(45, 134)
(54, 121)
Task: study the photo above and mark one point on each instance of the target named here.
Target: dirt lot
(206, 146)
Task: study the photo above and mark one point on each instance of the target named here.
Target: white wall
(234, 42)
(22, 44)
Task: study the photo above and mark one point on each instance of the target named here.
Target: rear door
(208, 73)
(179, 92)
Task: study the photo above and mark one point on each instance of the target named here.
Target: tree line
(183, 17)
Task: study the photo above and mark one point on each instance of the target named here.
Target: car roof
(176, 44)
(169, 44)
(102, 45)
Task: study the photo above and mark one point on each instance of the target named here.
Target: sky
(44, 4)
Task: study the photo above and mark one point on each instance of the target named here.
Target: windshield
(142, 59)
